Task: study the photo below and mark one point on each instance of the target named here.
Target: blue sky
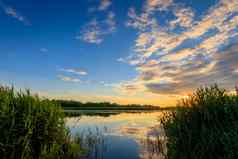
(135, 51)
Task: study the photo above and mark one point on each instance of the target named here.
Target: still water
(125, 135)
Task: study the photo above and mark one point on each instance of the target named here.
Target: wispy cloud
(104, 4)
(187, 51)
(184, 18)
(68, 79)
(10, 11)
(154, 5)
(95, 31)
(141, 21)
(120, 59)
(106, 84)
(44, 50)
(146, 18)
(77, 71)
(110, 21)
(91, 33)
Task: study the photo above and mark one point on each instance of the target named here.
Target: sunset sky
(125, 51)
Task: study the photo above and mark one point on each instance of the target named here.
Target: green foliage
(205, 126)
(32, 128)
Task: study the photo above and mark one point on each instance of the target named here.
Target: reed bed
(204, 126)
(33, 128)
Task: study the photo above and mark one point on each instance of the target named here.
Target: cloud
(175, 78)
(156, 39)
(77, 71)
(10, 11)
(146, 20)
(153, 5)
(91, 33)
(120, 59)
(104, 5)
(44, 50)
(105, 84)
(130, 87)
(184, 18)
(95, 31)
(68, 79)
(186, 51)
(132, 59)
(110, 21)
(141, 22)
(179, 55)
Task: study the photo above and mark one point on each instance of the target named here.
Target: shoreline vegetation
(76, 108)
(202, 126)
(33, 128)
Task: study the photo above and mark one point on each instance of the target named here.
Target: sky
(125, 51)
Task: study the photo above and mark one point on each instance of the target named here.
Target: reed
(204, 126)
(33, 128)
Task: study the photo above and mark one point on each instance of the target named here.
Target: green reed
(204, 126)
(33, 128)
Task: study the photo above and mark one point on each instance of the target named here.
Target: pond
(125, 135)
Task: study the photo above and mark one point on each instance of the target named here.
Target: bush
(32, 128)
(204, 126)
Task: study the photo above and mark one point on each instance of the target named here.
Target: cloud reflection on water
(143, 128)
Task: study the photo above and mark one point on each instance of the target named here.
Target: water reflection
(123, 136)
(93, 143)
(152, 148)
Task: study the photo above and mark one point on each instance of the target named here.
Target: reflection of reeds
(153, 147)
(93, 142)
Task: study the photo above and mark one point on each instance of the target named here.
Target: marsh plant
(33, 128)
(204, 126)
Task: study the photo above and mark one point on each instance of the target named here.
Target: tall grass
(205, 126)
(32, 128)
